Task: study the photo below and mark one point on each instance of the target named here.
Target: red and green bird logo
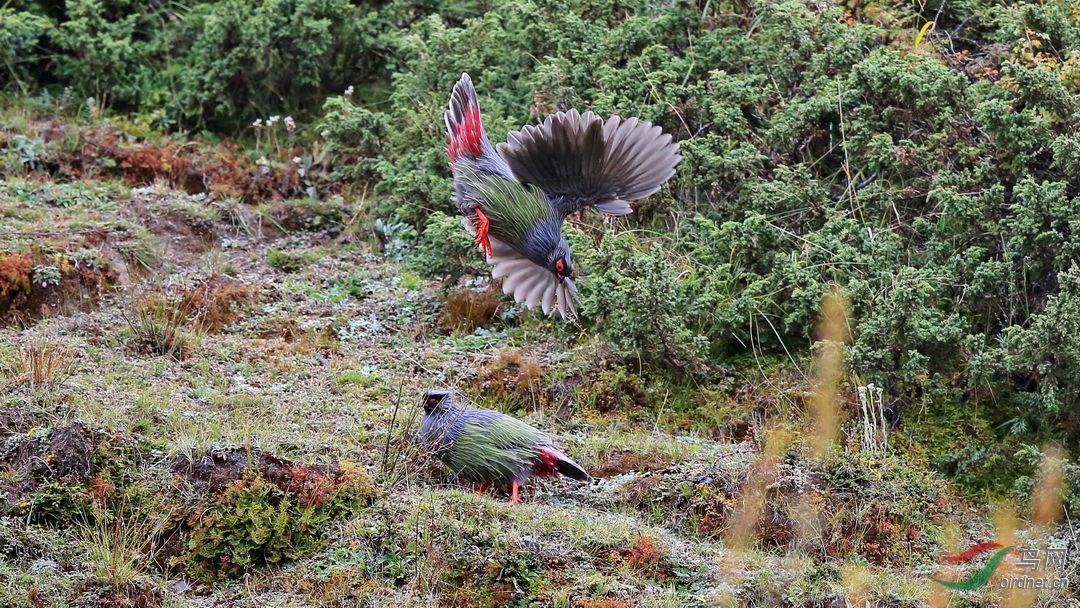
(981, 577)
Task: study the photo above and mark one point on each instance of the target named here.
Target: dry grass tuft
(514, 376)
(15, 269)
(828, 361)
(119, 547)
(215, 302)
(157, 323)
(166, 323)
(44, 363)
(466, 309)
(404, 457)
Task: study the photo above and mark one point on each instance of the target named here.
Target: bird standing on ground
(515, 199)
(489, 447)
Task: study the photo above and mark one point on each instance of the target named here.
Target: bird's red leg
(483, 224)
(483, 488)
(514, 498)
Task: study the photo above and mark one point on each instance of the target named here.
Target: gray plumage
(489, 447)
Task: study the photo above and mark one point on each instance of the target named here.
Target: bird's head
(558, 261)
(437, 400)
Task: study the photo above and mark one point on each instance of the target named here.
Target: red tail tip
(466, 137)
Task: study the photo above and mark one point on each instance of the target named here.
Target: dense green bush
(214, 64)
(20, 32)
(269, 57)
(446, 250)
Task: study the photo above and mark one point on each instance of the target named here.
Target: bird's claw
(483, 224)
(514, 498)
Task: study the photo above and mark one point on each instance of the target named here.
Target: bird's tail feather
(567, 466)
(464, 129)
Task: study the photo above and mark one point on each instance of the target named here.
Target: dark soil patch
(23, 301)
(68, 455)
(561, 396)
(213, 473)
(131, 595)
(63, 457)
(618, 462)
(179, 234)
(15, 421)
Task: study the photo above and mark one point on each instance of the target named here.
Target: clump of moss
(467, 308)
(287, 261)
(513, 378)
(257, 521)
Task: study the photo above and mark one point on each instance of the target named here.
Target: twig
(390, 432)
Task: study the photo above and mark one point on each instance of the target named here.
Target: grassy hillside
(839, 344)
(209, 402)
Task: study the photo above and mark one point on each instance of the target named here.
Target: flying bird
(489, 447)
(514, 199)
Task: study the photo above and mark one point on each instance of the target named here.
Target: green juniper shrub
(356, 137)
(931, 173)
(20, 32)
(209, 63)
(1031, 458)
(261, 59)
(934, 180)
(640, 301)
(105, 53)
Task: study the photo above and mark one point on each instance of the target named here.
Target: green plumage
(514, 209)
(495, 450)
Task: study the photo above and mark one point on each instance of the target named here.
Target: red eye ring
(559, 265)
(432, 401)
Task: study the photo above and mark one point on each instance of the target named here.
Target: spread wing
(579, 160)
(527, 281)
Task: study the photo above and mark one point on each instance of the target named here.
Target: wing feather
(526, 281)
(580, 160)
(548, 301)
